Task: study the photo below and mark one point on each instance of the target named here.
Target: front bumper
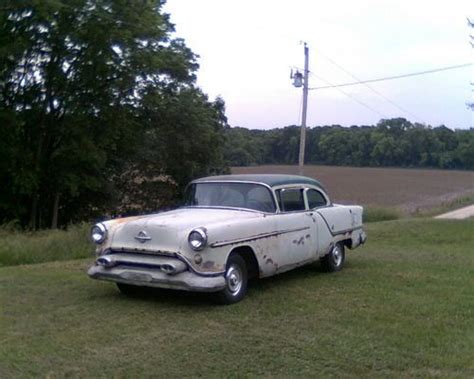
(142, 271)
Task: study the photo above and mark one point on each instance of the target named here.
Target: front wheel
(235, 281)
(334, 261)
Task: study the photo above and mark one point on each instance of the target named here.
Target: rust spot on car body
(270, 262)
(208, 265)
(299, 241)
(122, 220)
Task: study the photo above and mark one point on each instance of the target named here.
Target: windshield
(233, 195)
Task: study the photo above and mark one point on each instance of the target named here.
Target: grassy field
(18, 247)
(402, 307)
(411, 191)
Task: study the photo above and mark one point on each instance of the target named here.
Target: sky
(247, 49)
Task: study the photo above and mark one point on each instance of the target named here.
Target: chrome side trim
(256, 237)
(340, 231)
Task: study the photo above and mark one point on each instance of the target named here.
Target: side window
(291, 200)
(315, 199)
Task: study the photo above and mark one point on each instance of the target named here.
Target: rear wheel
(235, 281)
(334, 261)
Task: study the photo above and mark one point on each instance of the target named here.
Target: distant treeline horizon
(390, 143)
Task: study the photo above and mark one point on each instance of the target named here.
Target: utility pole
(305, 108)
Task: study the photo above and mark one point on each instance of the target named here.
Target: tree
(74, 79)
(183, 140)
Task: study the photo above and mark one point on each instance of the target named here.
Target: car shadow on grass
(291, 277)
(256, 287)
(170, 297)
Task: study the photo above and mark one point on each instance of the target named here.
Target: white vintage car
(231, 228)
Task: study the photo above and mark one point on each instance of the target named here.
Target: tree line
(393, 143)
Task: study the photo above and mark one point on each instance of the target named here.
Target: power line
(330, 85)
(395, 77)
(372, 89)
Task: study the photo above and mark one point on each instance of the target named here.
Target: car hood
(168, 231)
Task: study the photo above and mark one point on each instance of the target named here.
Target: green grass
(375, 214)
(18, 247)
(402, 307)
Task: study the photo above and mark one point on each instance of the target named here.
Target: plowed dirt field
(410, 190)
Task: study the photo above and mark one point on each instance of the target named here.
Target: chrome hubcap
(234, 279)
(337, 255)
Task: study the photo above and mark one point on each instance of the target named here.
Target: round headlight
(98, 233)
(197, 239)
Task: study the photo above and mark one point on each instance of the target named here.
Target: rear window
(315, 199)
(291, 200)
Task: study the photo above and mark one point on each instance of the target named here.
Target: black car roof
(272, 180)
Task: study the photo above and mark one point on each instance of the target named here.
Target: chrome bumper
(158, 272)
(151, 278)
(358, 237)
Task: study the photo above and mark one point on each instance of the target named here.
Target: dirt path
(458, 214)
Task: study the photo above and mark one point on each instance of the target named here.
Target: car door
(296, 237)
(317, 200)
